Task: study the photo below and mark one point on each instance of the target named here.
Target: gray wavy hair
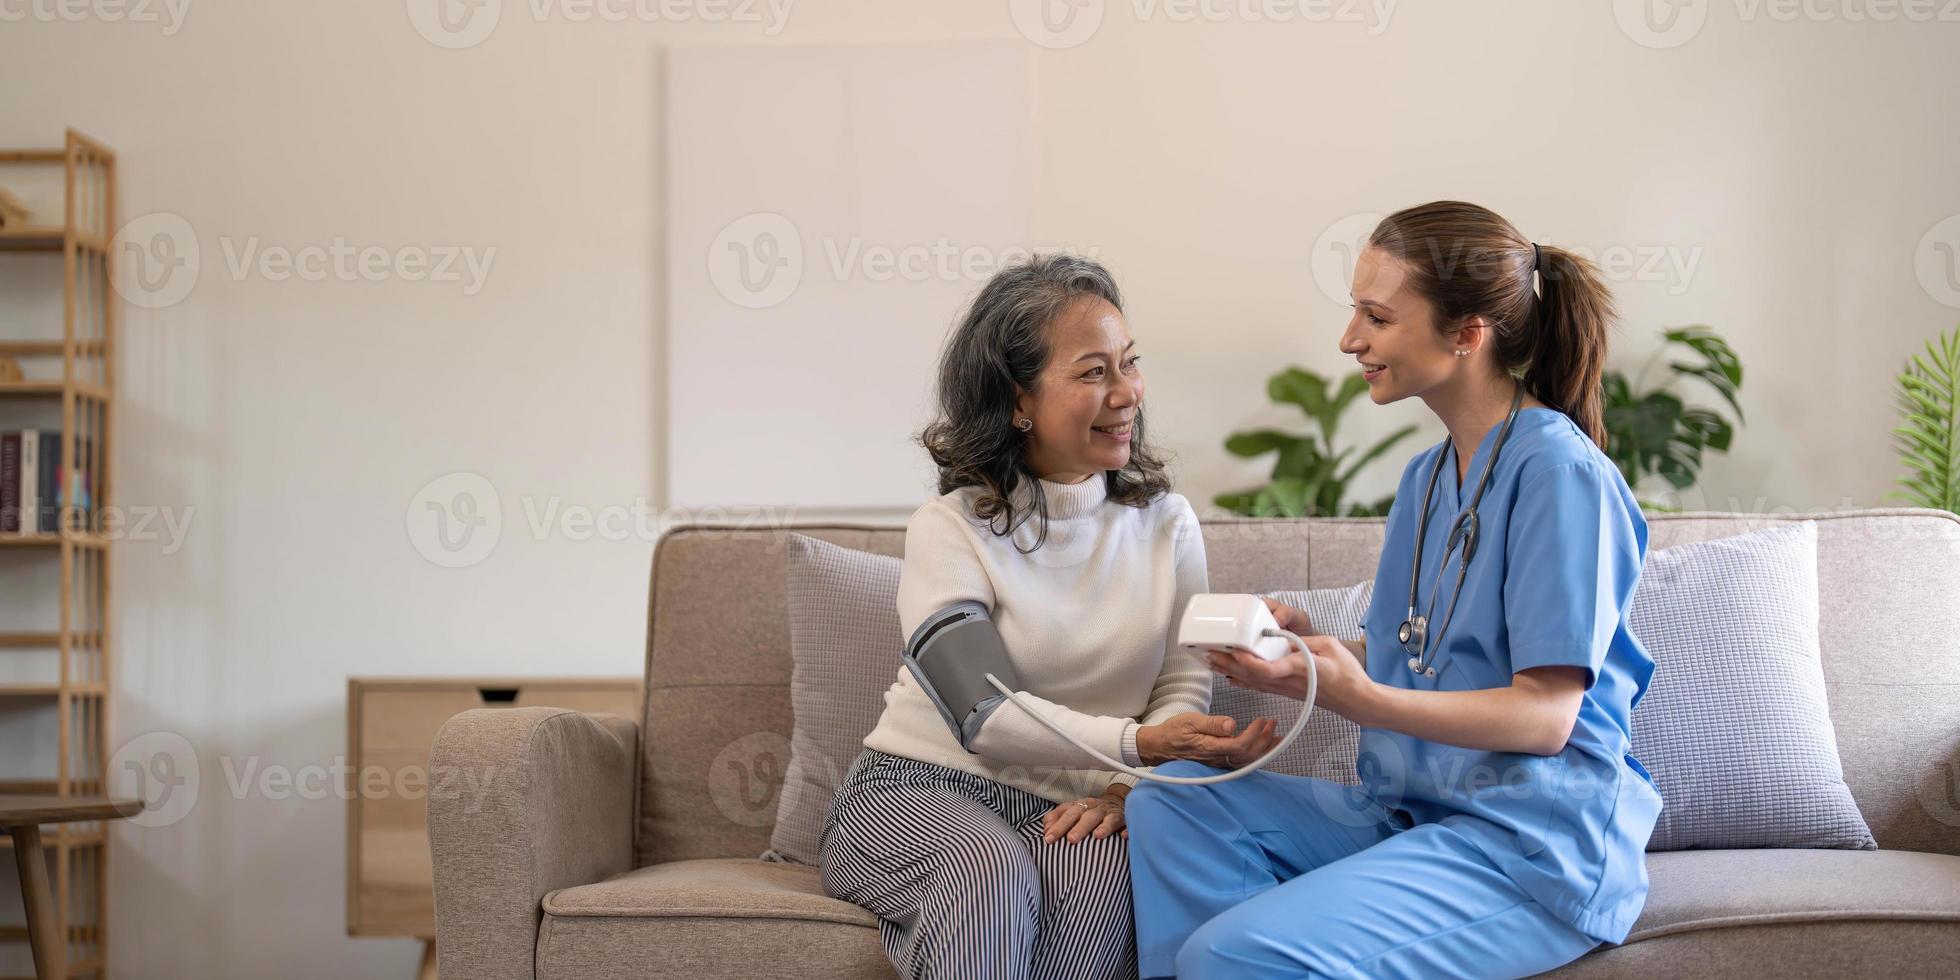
(999, 345)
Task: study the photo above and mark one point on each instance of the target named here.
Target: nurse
(1500, 822)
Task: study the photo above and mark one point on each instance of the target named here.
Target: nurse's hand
(1211, 739)
(1290, 619)
(1343, 684)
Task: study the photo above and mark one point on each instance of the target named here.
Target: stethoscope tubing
(1465, 528)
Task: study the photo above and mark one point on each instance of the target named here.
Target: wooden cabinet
(391, 724)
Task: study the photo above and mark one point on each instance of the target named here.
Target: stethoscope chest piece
(1412, 630)
(1412, 633)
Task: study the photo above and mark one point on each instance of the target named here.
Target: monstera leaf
(1654, 432)
(1309, 478)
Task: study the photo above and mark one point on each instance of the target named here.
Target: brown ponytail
(1569, 353)
(1467, 260)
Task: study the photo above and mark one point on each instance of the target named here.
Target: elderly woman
(1002, 853)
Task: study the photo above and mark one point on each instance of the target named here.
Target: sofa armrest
(522, 801)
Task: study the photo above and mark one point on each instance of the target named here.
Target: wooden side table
(22, 816)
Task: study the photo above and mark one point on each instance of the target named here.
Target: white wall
(297, 422)
(778, 262)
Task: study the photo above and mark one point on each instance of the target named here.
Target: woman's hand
(1095, 816)
(1344, 687)
(1205, 738)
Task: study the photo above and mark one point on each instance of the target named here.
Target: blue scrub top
(1561, 545)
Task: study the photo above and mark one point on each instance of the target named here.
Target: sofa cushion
(1790, 913)
(1735, 726)
(713, 887)
(1793, 913)
(1708, 889)
(718, 647)
(844, 642)
(1888, 582)
(706, 919)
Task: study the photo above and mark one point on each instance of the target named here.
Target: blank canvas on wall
(830, 212)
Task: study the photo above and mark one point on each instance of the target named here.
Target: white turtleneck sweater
(1089, 621)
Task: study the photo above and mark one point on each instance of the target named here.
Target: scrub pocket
(1537, 820)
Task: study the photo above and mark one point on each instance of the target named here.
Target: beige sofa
(609, 847)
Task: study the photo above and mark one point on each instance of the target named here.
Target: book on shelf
(9, 482)
(49, 508)
(30, 480)
(33, 485)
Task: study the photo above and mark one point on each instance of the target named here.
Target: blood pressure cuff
(950, 656)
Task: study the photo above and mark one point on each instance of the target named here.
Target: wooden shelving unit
(78, 370)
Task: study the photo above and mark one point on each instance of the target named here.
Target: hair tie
(1536, 258)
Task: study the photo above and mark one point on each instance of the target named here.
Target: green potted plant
(1650, 432)
(1928, 437)
(1310, 477)
(1653, 432)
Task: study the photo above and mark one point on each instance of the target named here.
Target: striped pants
(955, 868)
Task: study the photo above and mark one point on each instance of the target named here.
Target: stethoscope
(1414, 632)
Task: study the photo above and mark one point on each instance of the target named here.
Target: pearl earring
(1463, 353)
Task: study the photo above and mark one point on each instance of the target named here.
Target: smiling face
(1087, 395)
(1393, 332)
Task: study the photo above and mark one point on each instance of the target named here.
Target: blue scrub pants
(1271, 876)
